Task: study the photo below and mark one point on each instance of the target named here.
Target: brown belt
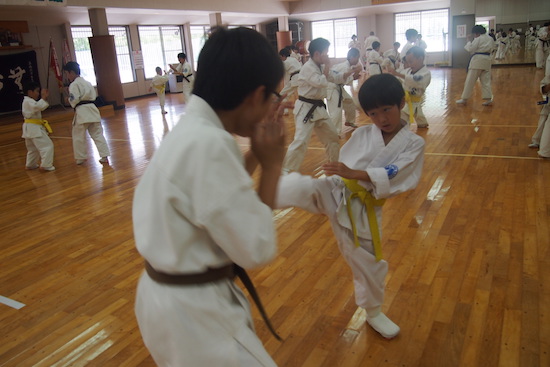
(213, 275)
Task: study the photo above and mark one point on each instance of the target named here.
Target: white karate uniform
(355, 44)
(38, 143)
(502, 45)
(416, 84)
(333, 98)
(480, 66)
(393, 169)
(369, 41)
(391, 58)
(542, 134)
(423, 45)
(542, 47)
(186, 219)
(86, 118)
(405, 49)
(159, 86)
(296, 56)
(187, 72)
(291, 66)
(312, 84)
(374, 62)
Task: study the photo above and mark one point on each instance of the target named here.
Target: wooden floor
(469, 276)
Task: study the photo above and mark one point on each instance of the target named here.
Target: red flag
(54, 65)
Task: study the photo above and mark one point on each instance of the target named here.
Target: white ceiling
(121, 12)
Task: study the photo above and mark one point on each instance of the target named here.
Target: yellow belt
(160, 88)
(358, 191)
(410, 99)
(40, 122)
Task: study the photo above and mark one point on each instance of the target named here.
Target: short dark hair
(232, 64)
(157, 69)
(397, 44)
(417, 52)
(285, 52)
(182, 55)
(380, 90)
(353, 52)
(411, 33)
(72, 66)
(318, 45)
(30, 85)
(479, 29)
(375, 45)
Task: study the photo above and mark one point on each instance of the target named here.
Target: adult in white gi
(39, 145)
(480, 46)
(541, 138)
(86, 116)
(195, 209)
(354, 43)
(292, 69)
(309, 110)
(415, 81)
(158, 84)
(338, 98)
(374, 60)
(384, 159)
(542, 47)
(411, 35)
(370, 40)
(186, 71)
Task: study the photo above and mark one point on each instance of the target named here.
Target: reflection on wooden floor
(469, 278)
(523, 56)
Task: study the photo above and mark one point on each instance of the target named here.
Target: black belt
(375, 63)
(476, 53)
(315, 102)
(294, 73)
(82, 102)
(340, 95)
(212, 275)
(186, 77)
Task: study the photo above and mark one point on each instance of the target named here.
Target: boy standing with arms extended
(379, 161)
(86, 116)
(35, 130)
(310, 111)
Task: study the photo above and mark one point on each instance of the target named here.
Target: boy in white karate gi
(338, 98)
(379, 161)
(185, 70)
(415, 81)
(292, 69)
(374, 60)
(310, 112)
(542, 46)
(35, 129)
(541, 138)
(82, 96)
(411, 34)
(479, 45)
(502, 45)
(197, 218)
(158, 84)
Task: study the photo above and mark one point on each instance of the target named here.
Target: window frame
(334, 44)
(149, 69)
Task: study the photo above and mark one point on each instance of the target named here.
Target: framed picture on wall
(461, 31)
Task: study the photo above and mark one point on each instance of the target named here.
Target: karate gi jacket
(393, 169)
(485, 44)
(82, 90)
(32, 109)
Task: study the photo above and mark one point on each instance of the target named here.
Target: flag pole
(49, 62)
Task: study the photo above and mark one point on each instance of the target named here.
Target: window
(160, 46)
(199, 35)
(84, 54)
(432, 24)
(338, 32)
